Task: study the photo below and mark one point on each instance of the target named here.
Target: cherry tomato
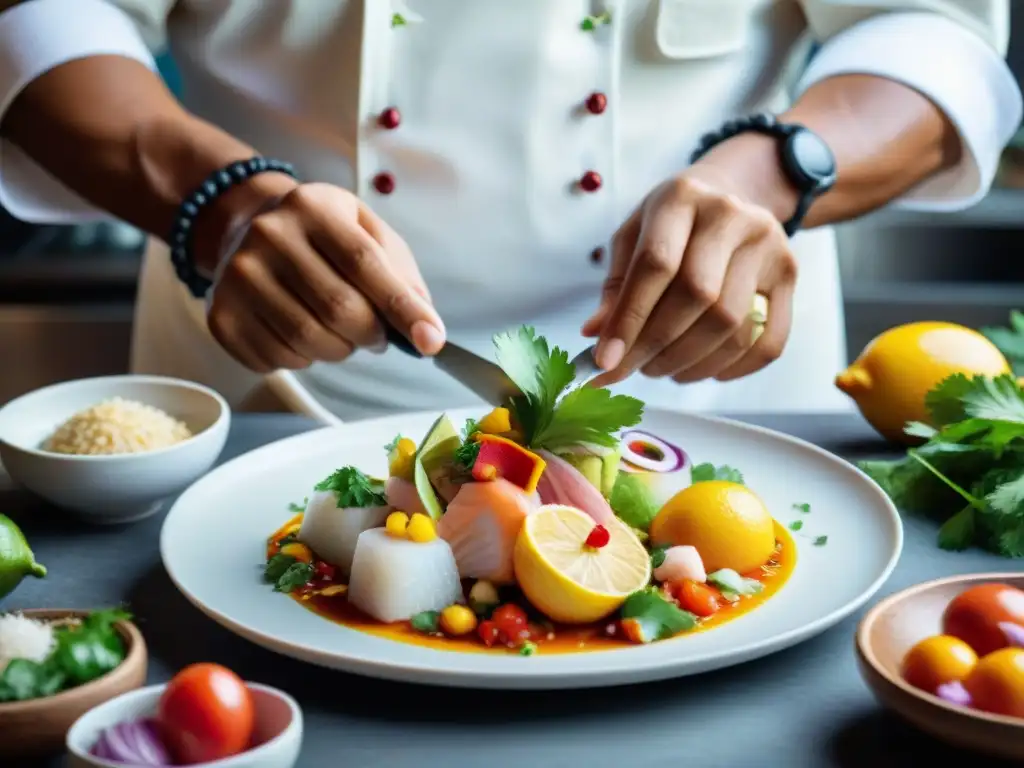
(206, 713)
(512, 623)
(975, 614)
(488, 632)
(697, 598)
(937, 660)
(996, 684)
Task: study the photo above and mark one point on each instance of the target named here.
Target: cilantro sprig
(353, 488)
(549, 416)
(970, 469)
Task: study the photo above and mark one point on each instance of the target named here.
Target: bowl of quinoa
(111, 449)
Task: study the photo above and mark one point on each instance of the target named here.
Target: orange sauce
(561, 638)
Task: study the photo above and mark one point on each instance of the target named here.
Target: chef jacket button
(596, 103)
(390, 118)
(384, 183)
(597, 255)
(590, 181)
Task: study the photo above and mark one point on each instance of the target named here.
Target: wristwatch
(806, 159)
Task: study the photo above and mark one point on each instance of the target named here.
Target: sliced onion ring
(656, 456)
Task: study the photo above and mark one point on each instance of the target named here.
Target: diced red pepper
(598, 537)
(488, 632)
(500, 457)
(697, 598)
(324, 571)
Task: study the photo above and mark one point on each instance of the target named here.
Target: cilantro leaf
(466, 454)
(655, 617)
(588, 415)
(540, 373)
(957, 533)
(393, 444)
(945, 401)
(796, 525)
(353, 488)
(805, 508)
(702, 473)
(22, 680)
(1010, 341)
(295, 575)
(276, 566)
(471, 428)
(398, 20)
(658, 556)
(821, 541)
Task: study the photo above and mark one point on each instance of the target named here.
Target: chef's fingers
(653, 266)
(363, 262)
(396, 248)
(772, 341)
(719, 324)
(294, 322)
(246, 337)
(622, 246)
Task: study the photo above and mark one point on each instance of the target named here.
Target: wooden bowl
(892, 627)
(37, 727)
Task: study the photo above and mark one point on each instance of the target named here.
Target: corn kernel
(421, 529)
(299, 551)
(397, 524)
(402, 457)
(457, 620)
(497, 422)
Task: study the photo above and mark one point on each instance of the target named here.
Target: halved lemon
(569, 581)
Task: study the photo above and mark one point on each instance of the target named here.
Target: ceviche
(549, 524)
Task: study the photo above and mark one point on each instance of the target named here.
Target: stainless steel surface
(585, 364)
(41, 345)
(481, 377)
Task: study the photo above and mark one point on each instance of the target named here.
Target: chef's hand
(684, 272)
(309, 280)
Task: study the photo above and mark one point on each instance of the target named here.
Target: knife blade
(480, 376)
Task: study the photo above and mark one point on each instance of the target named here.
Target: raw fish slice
(563, 484)
(403, 497)
(681, 563)
(482, 524)
(332, 531)
(393, 579)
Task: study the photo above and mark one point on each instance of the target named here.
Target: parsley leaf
(805, 508)
(821, 541)
(471, 428)
(393, 444)
(276, 566)
(702, 473)
(957, 533)
(353, 488)
(1010, 341)
(655, 617)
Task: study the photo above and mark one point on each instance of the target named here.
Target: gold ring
(758, 316)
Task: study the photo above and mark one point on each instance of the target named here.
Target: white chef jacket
(493, 139)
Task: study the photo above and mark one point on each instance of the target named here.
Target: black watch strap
(806, 159)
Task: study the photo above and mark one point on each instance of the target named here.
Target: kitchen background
(67, 293)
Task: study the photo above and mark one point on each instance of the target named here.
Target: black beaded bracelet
(761, 123)
(215, 185)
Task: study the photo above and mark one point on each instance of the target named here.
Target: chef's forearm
(108, 128)
(886, 137)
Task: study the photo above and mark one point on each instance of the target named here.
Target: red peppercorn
(598, 537)
(384, 183)
(390, 118)
(596, 103)
(590, 181)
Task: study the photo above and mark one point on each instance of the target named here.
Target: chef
(630, 171)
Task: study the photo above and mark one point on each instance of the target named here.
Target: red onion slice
(135, 743)
(649, 453)
(954, 693)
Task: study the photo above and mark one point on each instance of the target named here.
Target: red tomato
(697, 598)
(975, 614)
(488, 632)
(206, 714)
(512, 623)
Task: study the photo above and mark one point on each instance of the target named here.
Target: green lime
(16, 558)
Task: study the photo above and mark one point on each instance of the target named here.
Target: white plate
(213, 545)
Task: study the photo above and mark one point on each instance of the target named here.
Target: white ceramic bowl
(276, 741)
(122, 487)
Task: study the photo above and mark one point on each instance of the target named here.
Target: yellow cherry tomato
(937, 660)
(457, 620)
(996, 684)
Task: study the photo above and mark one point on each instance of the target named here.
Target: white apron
(492, 139)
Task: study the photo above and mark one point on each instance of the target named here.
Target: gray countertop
(802, 708)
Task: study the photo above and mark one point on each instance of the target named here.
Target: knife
(480, 376)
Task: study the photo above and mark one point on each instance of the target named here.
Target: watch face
(810, 157)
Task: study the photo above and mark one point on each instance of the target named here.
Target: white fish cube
(393, 578)
(332, 531)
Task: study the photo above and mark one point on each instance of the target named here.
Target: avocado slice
(437, 448)
(610, 471)
(587, 465)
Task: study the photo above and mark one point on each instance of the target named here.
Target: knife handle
(398, 341)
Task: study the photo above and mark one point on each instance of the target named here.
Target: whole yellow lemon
(890, 379)
(726, 522)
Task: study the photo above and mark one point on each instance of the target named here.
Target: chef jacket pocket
(697, 29)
